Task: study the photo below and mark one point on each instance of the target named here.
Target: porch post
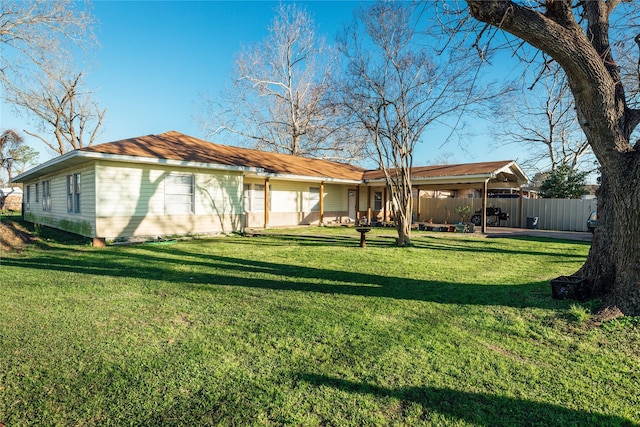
(357, 204)
(368, 205)
(483, 223)
(384, 205)
(520, 213)
(267, 190)
(321, 219)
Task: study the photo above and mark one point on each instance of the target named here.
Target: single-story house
(175, 184)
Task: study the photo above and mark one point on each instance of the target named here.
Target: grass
(308, 329)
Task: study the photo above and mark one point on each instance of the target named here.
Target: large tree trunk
(612, 268)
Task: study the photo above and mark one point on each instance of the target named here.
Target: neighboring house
(174, 184)
(11, 199)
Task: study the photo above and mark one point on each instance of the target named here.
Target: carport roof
(504, 172)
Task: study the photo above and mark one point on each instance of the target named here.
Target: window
(73, 194)
(258, 198)
(37, 193)
(254, 198)
(28, 198)
(247, 197)
(46, 195)
(179, 194)
(377, 200)
(314, 199)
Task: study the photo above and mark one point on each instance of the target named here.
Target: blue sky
(157, 58)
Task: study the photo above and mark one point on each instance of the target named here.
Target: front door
(352, 204)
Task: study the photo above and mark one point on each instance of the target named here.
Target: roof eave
(463, 179)
(290, 177)
(45, 168)
(514, 169)
(65, 160)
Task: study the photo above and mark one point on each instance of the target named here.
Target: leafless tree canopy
(60, 104)
(543, 121)
(279, 98)
(397, 83)
(37, 39)
(38, 32)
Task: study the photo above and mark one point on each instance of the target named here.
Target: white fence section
(552, 214)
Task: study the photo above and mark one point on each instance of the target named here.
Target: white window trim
(258, 195)
(168, 194)
(74, 191)
(314, 199)
(375, 208)
(46, 195)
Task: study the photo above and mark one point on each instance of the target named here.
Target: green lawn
(309, 330)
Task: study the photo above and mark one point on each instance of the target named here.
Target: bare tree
(36, 40)
(60, 105)
(581, 37)
(15, 156)
(395, 90)
(279, 100)
(543, 120)
(36, 33)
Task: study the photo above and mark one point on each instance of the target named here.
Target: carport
(484, 176)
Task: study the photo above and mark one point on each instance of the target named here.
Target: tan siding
(218, 193)
(82, 223)
(290, 203)
(336, 198)
(363, 199)
(129, 190)
(289, 196)
(254, 219)
(131, 202)
(285, 219)
(167, 225)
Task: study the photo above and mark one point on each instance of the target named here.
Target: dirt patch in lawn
(14, 237)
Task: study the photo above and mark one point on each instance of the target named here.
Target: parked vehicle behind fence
(592, 221)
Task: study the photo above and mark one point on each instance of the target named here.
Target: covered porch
(479, 177)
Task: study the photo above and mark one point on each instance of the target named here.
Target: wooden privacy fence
(552, 214)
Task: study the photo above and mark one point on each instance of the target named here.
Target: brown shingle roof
(177, 146)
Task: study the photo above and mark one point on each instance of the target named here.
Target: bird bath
(363, 239)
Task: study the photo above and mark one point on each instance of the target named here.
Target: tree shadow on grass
(476, 408)
(308, 240)
(542, 239)
(202, 271)
(460, 243)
